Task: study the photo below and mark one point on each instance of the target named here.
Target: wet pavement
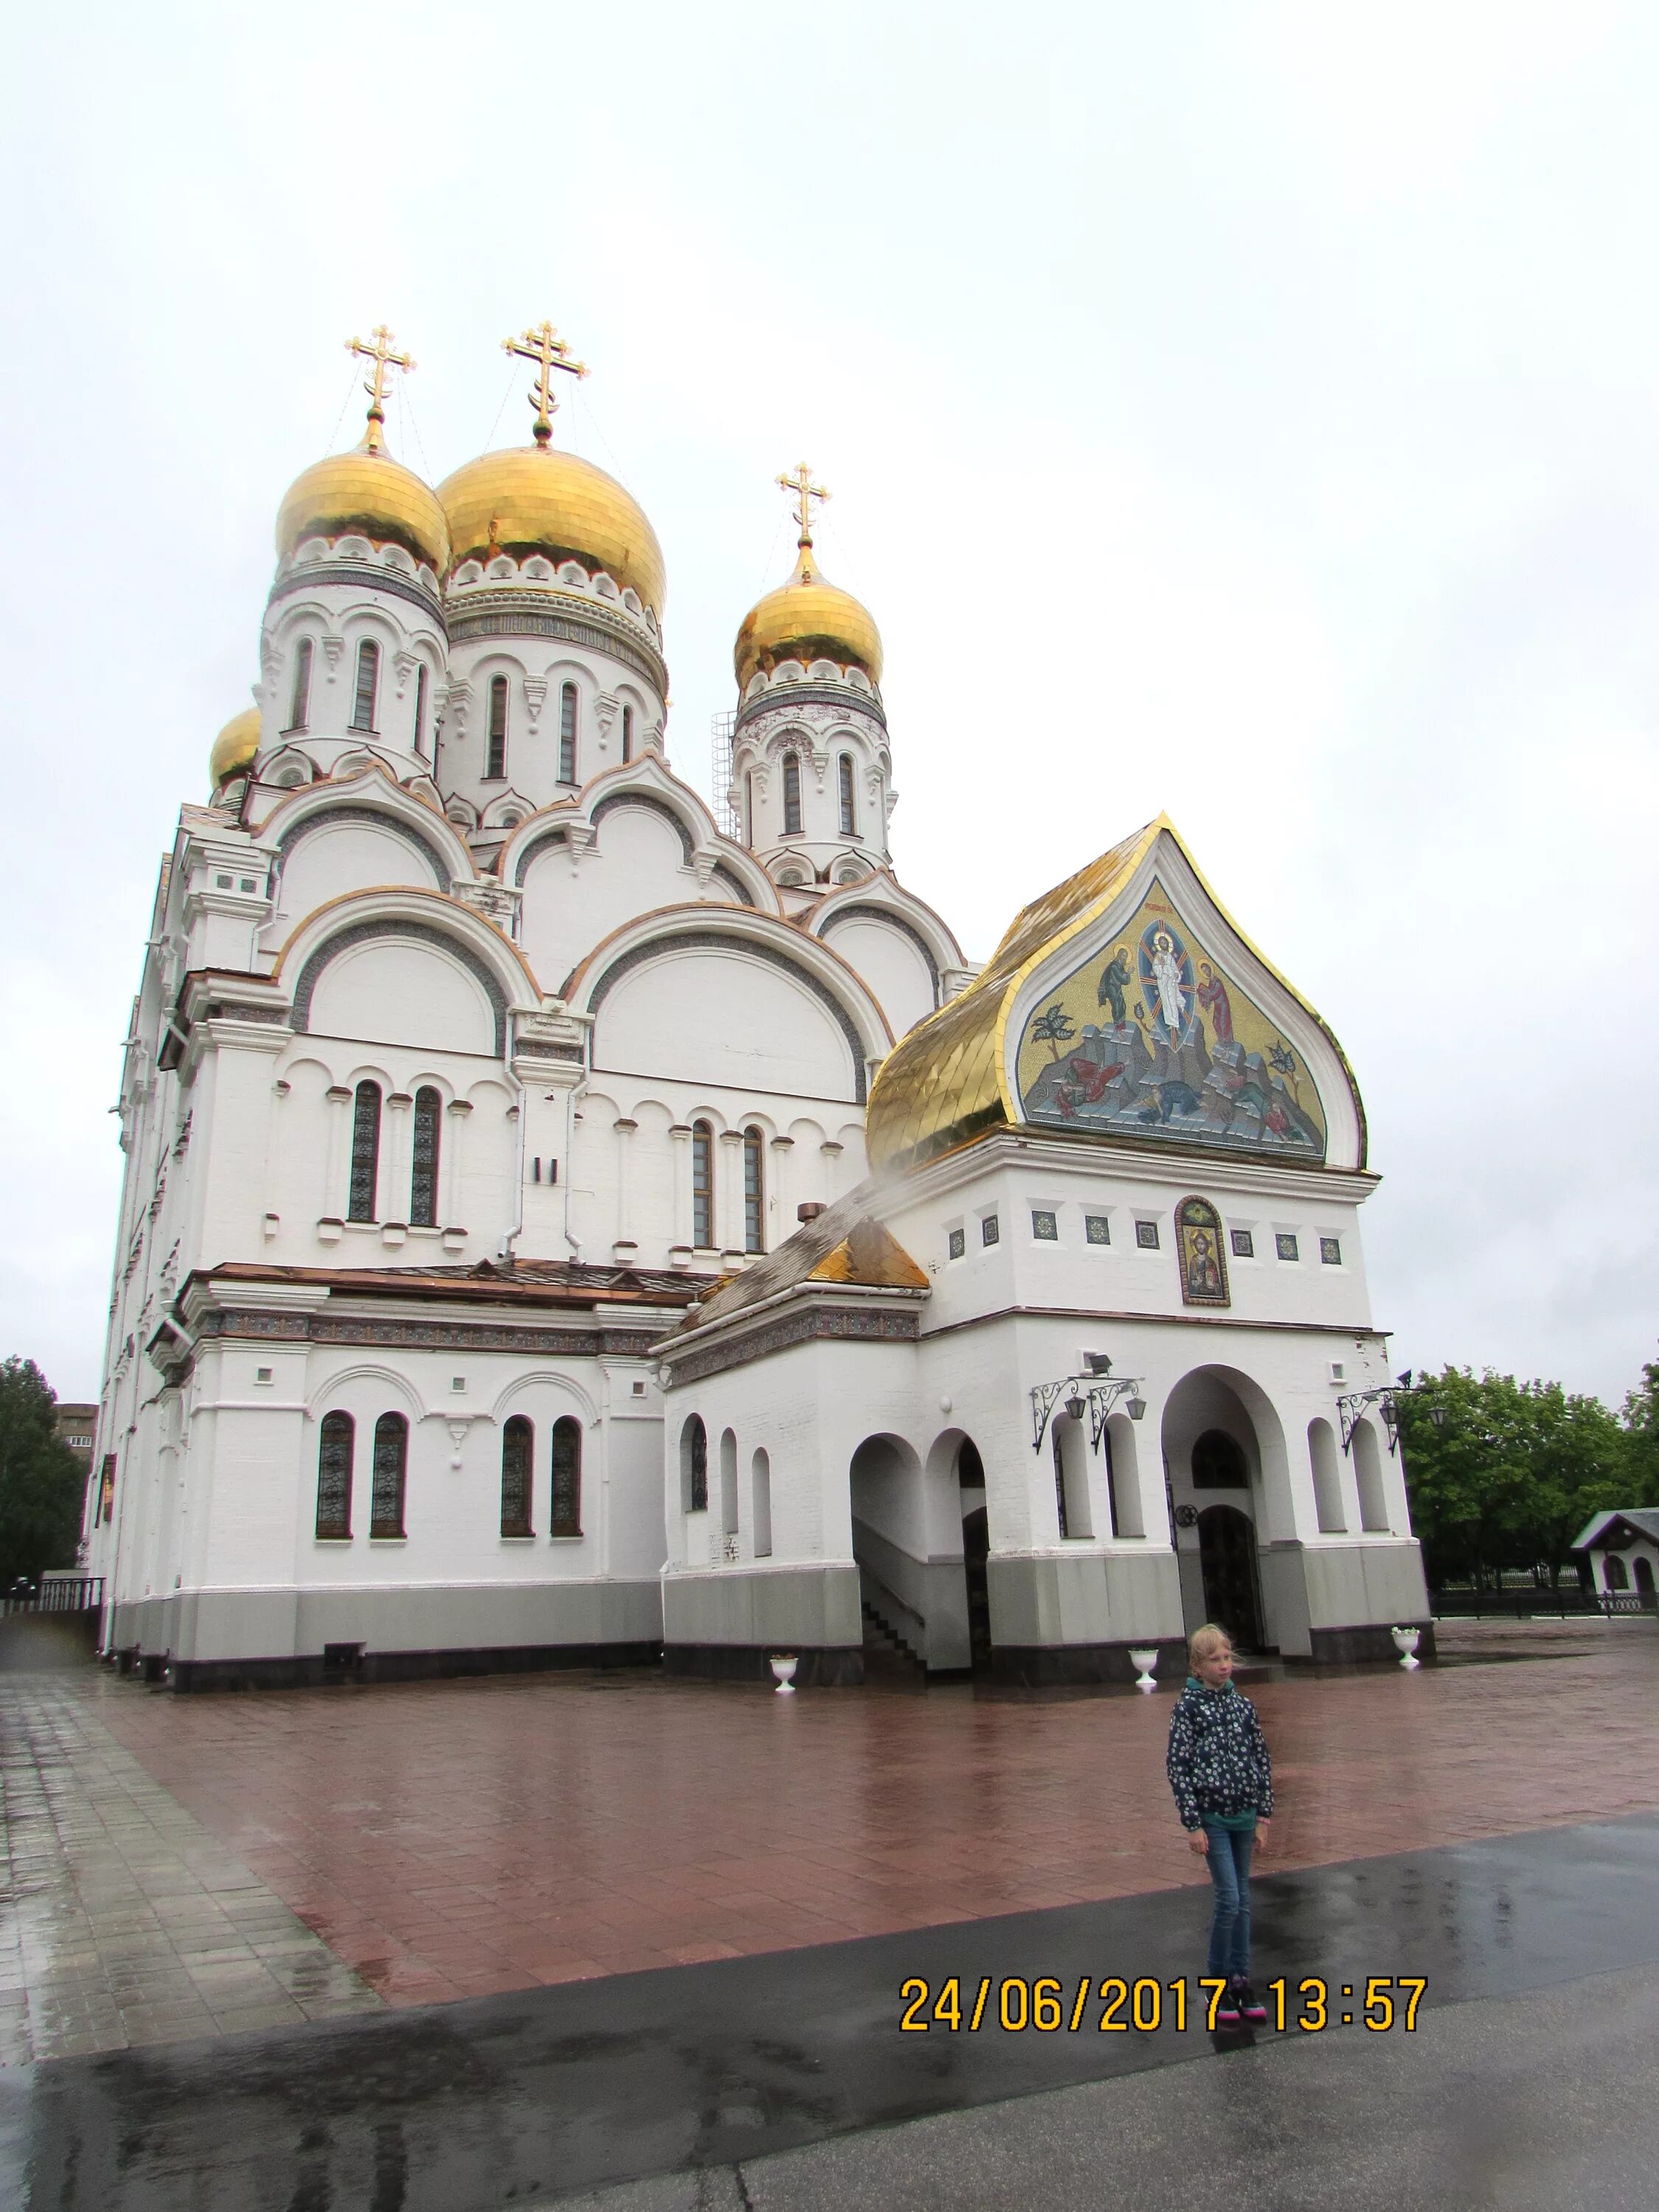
(383, 1947)
(553, 2093)
(453, 1839)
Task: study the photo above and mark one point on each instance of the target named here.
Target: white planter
(1405, 1640)
(1146, 1661)
(784, 1664)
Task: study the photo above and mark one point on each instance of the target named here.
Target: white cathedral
(563, 1226)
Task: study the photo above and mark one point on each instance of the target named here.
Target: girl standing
(1222, 1777)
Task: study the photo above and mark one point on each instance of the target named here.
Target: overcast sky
(1248, 410)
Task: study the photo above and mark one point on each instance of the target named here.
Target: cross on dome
(548, 351)
(383, 356)
(805, 491)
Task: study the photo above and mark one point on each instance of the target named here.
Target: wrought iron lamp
(1350, 1408)
(1095, 1393)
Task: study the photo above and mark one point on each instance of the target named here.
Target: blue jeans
(1230, 1871)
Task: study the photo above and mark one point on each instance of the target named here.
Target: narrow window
(385, 1512)
(703, 1186)
(423, 1174)
(627, 734)
(365, 1152)
(299, 707)
(1059, 1479)
(517, 1463)
(567, 1513)
(420, 710)
(567, 734)
(334, 1453)
(693, 1466)
(849, 827)
(791, 795)
(754, 1192)
(368, 679)
(495, 759)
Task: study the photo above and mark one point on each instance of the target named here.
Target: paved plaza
(665, 1924)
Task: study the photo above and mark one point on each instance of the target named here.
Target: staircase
(886, 1652)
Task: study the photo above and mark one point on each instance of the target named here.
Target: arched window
(386, 1511)
(754, 1193)
(496, 755)
(334, 1453)
(365, 1153)
(1218, 1463)
(423, 1172)
(792, 795)
(517, 1470)
(1071, 1500)
(298, 705)
(728, 1499)
(627, 734)
(420, 710)
(368, 682)
(1614, 1571)
(1327, 1480)
(760, 1508)
(567, 1510)
(703, 1186)
(1368, 1470)
(1642, 1569)
(849, 827)
(567, 734)
(694, 1467)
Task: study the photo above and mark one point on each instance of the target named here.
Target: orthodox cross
(381, 354)
(548, 351)
(805, 492)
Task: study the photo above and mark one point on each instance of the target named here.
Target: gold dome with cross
(536, 499)
(366, 493)
(808, 619)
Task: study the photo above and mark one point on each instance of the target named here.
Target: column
(334, 1182)
(396, 1164)
(626, 1245)
(728, 1193)
(680, 1253)
(455, 1119)
(781, 1220)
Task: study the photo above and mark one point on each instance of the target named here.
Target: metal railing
(55, 1594)
(1571, 1604)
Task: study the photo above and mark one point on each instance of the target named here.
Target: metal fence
(55, 1594)
(1569, 1604)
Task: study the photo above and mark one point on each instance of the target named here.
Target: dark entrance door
(976, 1547)
(1226, 1553)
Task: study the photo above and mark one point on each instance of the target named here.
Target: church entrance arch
(1226, 1553)
(906, 1545)
(1225, 1462)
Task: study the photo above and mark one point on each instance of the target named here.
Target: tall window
(423, 1174)
(386, 1512)
(298, 706)
(495, 759)
(791, 795)
(369, 680)
(365, 1152)
(693, 1466)
(518, 1464)
(754, 1192)
(567, 734)
(703, 1186)
(334, 1453)
(627, 734)
(1059, 1479)
(848, 821)
(566, 1518)
(420, 710)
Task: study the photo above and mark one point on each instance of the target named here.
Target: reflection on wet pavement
(126, 1922)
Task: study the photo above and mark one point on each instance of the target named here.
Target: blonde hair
(1207, 1642)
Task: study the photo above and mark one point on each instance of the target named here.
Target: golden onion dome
(535, 499)
(366, 493)
(807, 619)
(234, 747)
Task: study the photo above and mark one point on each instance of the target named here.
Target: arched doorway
(976, 1550)
(1642, 1569)
(1226, 1553)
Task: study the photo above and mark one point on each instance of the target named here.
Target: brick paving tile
(453, 1838)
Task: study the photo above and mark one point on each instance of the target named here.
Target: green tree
(42, 1483)
(1054, 1028)
(1641, 1426)
(1508, 1473)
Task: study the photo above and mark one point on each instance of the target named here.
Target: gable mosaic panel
(1151, 1039)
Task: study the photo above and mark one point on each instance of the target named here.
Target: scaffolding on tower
(720, 747)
